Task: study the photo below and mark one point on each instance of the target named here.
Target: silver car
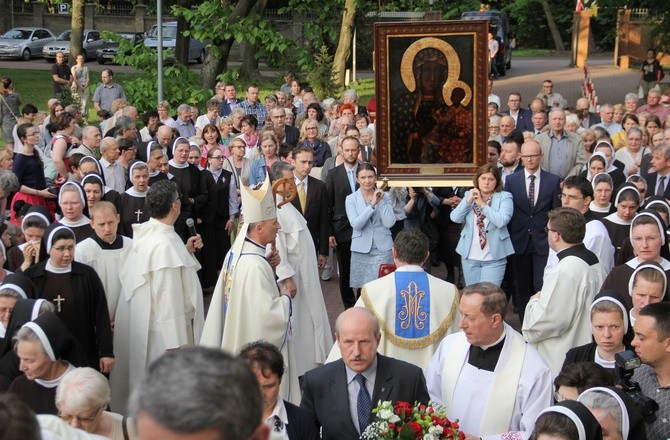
(24, 42)
(92, 41)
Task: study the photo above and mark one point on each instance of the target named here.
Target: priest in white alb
(487, 376)
(415, 310)
(161, 307)
(558, 317)
(298, 271)
(247, 304)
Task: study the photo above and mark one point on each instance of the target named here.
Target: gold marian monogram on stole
(411, 312)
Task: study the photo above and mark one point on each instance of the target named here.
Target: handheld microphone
(191, 227)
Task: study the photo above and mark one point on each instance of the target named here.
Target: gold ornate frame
(463, 44)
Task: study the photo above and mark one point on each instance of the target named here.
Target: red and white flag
(580, 6)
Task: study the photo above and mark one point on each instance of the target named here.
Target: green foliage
(67, 97)
(321, 74)
(180, 85)
(210, 22)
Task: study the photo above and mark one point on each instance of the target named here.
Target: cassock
(132, 211)
(160, 307)
(596, 239)
(559, 319)
(80, 301)
(106, 259)
(492, 392)
(618, 230)
(311, 329)
(618, 279)
(82, 228)
(415, 337)
(247, 307)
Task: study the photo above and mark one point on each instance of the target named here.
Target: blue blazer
(523, 120)
(497, 215)
(528, 224)
(370, 224)
(257, 171)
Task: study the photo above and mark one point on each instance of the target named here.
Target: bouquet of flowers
(404, 421)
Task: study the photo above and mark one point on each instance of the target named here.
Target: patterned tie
(364, 403)
(531, 191)
(302, 196)
(661, 186)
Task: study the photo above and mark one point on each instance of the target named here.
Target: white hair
(82, 389)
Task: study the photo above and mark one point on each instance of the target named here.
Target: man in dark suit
(589, 119)
(521, 116)
(532, 202)
(340, 183)
(658, 182)
(316, 203)
(291, 134)
(230, 101)
(340, 395)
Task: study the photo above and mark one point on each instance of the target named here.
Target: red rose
(403, 409)
(418, 431)
(454, 425)
(461, 435)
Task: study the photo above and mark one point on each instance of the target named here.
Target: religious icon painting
(431, 89)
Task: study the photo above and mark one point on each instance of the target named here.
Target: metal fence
(113, 9)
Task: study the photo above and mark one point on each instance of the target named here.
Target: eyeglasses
(546, 229)
(83, 420)
(569, 197)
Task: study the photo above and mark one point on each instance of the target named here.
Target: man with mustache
(366, 376)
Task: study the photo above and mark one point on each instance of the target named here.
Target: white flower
(435, 430)
(385, 414)
(429, 437)
(394, 419)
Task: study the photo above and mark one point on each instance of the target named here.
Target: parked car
(110, 48)
(196, 48)
(92, 41)
(24, 42)
(500, 28)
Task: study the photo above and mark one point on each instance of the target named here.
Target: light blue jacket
(258, 171)
(370, 224)
(497, 216)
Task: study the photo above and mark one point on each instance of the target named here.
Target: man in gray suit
(340, 395)
(563, 151)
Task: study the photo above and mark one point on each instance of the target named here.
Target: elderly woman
(616, 412)
(494, 128)
(79, 296)
(567, 420)
(283, 418)
(485, 243)
(589, 140)
(572, 124)
(82, 399)
(609, 325)
(72, 203)
(631, 154)
(261, 166)
(371, 217)
(237, 163)
(603, 188)
(46, 350)
(133, 201)
(309, 137)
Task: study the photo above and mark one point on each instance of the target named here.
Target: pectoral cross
(139, 213)
(58, 300)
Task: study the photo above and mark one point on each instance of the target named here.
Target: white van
(196, 49)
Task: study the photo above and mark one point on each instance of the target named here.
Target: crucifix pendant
(58, 300)
(138, 213)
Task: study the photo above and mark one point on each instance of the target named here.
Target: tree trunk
(77, 26)
(6, 20)
(249, 67)
(215, 64)
(555, 34)
(344, 45)
(182, 43)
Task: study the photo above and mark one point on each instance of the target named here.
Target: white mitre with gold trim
(258, 204)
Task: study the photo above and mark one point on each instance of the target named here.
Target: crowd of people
(114, 236)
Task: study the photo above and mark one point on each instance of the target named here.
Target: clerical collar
(135, 193)
(116, 244)
(53, 269)
(580, 251)
(249, 240)
(83, 221)
(486, 357)
(409, 268)
(177, 165)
